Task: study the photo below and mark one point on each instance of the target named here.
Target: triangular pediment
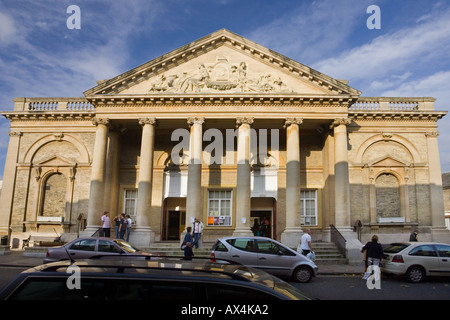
(223, 63)
(55, 161)
(388, 162)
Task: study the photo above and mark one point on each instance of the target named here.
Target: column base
(242, 232)
(440, 234)
(142, 237)
(291, 237)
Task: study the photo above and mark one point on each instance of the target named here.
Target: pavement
(16, 258)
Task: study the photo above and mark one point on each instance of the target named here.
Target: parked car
(265, 254)
(417, 260)
(85, 248)
(113, 278)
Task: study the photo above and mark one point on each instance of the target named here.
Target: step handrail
(338, 239)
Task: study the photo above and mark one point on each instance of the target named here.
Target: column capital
(15, 134)
(340, 121)
(104, 121)
(290, 121)
(433, 134)
(244, 120)
(195, 120)
(144, 121)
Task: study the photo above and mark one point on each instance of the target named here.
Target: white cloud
(8, 30)
(426, 42)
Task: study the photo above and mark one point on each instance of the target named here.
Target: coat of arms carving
(221, 76)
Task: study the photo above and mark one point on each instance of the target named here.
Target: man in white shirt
(305, 245)
(106, 225)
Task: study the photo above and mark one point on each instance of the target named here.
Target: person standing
(414, 237)
(117, 226)
(106, 225)
(197, 228)
(187, 238)
(123, 226)
(305, 244)
(129, 222)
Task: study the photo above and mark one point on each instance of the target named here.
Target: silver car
(85, 248)
(417, 260)
(266, 254)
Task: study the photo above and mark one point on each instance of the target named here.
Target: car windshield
(395, 247)
(126, 246)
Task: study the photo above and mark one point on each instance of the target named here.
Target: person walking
(374, 254)
(106, 225)
(197, 228)
(305, 244)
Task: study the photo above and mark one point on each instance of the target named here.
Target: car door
(82, 249)
(426, 256)
(444, 258)
(106, 247)
(243, 251)
(274, 258)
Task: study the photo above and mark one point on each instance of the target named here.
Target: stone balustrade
(392, 104)
(52, 104)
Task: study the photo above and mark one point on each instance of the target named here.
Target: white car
(417, 260)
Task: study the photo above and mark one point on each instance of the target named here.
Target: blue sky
(408, 56)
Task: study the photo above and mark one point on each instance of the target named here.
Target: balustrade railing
(392, 104)
(52, 104)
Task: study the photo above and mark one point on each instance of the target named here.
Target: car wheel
(415, 274)
(302, 274)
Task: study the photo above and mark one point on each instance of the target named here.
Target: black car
(163, 279)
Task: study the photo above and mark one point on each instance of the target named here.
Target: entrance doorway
(260, 216)
(175, 224)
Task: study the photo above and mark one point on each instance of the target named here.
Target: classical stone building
(228, 131)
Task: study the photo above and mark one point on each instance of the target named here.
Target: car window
(153, 290)
(84, 245)
(243, 244)
(219, 246)
(443, 250)
(270, 247)
(395, 247)
(126, 246)
(108, 246)
(423, 251)
(266, 246)
(227, 292)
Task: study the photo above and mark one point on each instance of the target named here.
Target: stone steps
(326, 253)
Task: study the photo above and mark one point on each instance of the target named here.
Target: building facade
(228, 131)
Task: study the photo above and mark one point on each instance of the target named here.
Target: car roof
(198, 268)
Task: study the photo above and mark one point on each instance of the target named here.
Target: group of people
(122, 222)
(261, 229)
(192, 239)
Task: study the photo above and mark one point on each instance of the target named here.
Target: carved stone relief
(221, 76)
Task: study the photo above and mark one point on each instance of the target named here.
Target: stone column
(194, 205)
(243, 191)
(342, 191)
(342, 185)
(143, 235)
(9, 181)
(439, 233)
(95, 207)
(111, 193)
(292, 234)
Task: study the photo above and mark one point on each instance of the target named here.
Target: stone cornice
(48, 116)
(215, 99)
(397, 115)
